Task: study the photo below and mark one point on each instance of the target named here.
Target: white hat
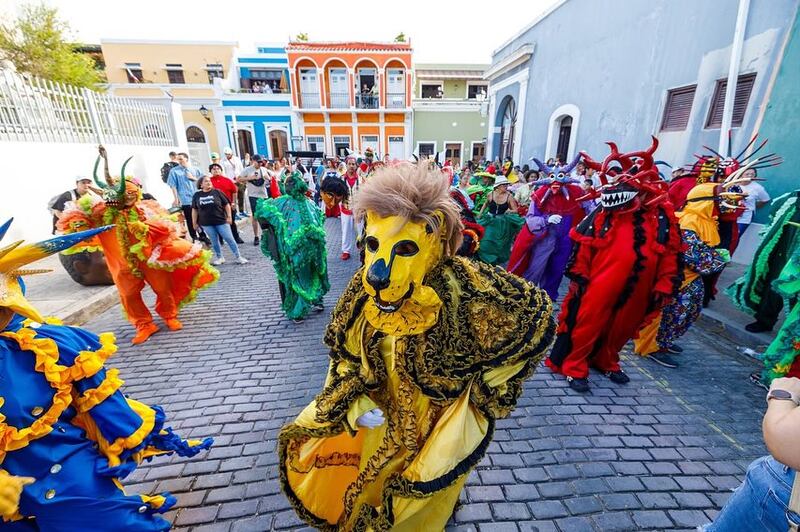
(227, 151)
(500, 180)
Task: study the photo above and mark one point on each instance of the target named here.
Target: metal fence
(38, 110)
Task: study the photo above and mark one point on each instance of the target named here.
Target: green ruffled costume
(774, 279)
(296, 244)
(499, 236)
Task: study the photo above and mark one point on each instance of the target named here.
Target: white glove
(554, 219)
(373, 418)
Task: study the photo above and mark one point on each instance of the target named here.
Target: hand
(790, 384)
(373, 418)
(724, 254)
(554, 219)
(10, 491)
(228, 221)
(176, 203)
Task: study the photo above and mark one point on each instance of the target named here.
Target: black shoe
(255, 241)
(674, 349)
(239, 241)
(757, 327)
(619, 376)
(579, 385)
(664, 359)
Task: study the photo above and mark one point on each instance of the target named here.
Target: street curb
(84, 310)
(717, 323)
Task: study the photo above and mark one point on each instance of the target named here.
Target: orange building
(353, 95)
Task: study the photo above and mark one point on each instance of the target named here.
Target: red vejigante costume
(145, 247)
(624, 267)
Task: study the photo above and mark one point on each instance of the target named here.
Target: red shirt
(224, 185)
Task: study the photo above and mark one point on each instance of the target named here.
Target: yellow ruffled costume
(441, 390)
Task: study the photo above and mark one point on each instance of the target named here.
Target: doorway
(397, 148)
(197, 147)
(278, 143)
(244, 140)
(564, 133)
(452, 152)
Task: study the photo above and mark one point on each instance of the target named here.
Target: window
(175, 73)
(426, 149)
(452, 151)
(195, 134)
(214, 71)
(744, 86)
(134, 72)
(369, 141)
(507, 127)
(478, 151)
(678, 108)
(564, 133)
(431, 90)
(316, 143)
(341, 145)
(476, 92)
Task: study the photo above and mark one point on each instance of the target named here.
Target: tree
(401, 37)
(36, 43)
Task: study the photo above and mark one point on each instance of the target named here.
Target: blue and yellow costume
(64, 424)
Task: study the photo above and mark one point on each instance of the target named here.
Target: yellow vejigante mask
(12, 259)
(398, 255)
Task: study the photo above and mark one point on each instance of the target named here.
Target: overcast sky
(456, 31)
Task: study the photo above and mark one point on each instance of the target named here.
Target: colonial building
(179, 71)
(254, 111)
(587, 71)
(450, 115)
(352, 95)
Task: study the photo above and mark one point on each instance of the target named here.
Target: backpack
(165, 170)
(54, 199)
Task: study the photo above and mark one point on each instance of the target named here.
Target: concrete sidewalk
(56, 294)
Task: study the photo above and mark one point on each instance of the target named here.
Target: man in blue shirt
(183, 182)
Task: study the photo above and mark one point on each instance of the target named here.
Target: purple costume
(542, 248)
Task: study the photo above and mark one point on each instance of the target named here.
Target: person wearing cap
(255, 177)
(57, 204)
(501, 222)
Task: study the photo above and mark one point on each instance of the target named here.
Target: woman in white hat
(499, 216)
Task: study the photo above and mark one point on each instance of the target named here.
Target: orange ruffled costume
(145, 247)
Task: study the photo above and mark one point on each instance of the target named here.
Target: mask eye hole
(406, 248)
(552, 176)
(372, 244)
(561, 175)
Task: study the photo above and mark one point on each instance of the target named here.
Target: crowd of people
(642, 253)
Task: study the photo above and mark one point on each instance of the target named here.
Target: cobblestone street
(662, 452)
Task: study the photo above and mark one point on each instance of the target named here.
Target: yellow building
(181, 71)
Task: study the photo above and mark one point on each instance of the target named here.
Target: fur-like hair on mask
(414, 192)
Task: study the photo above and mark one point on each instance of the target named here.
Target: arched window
(195, 134)
(507, 128)
(564, 134)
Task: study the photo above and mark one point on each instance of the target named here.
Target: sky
(445, 31)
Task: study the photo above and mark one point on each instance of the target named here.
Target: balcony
(367, 101)
(309, 100)
(339, 100)
(395, 100)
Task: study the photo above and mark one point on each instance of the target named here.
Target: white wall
(35, 172)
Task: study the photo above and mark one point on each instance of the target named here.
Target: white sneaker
(217, 262)
(242, 260)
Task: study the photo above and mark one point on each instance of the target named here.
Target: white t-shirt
(755, 193)
(253, 190)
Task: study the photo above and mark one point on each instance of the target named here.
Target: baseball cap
(80, 178)
(214, 155)
(257, 158)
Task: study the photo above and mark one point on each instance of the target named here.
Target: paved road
(661, 453)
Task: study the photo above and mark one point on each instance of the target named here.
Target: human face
(502, 189)
(398, 255)
(749, 174)
(82, 186)
(463, 179)
(183, 160)
(206, 185)
(351, 166)
(215, 171)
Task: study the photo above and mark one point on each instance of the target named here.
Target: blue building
(254, 112)
(588, 71)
